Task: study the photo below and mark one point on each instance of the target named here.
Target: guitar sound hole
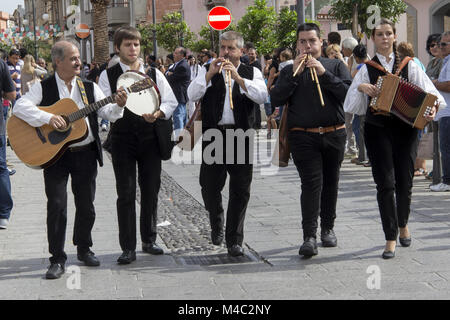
(56, 137)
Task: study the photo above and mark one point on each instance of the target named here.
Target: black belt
(226, 126)
(90, 146)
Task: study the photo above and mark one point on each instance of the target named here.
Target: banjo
(142, 102)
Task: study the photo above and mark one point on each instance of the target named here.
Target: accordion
(404, 100)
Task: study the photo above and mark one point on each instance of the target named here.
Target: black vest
(214, 99)
(130, 122)
(50, 96)
(374, 73)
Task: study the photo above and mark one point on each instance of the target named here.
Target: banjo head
(142, 102)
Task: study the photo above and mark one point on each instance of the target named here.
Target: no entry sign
(82, 31)
(219, 18)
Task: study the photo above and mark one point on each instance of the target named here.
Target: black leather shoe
(55, 271)
(127, 257)
(235, 250)
(309, 247)
(89, 259)
(405, 242)
(328, 238)
(388, 254)
(217, 237)
(151, 248)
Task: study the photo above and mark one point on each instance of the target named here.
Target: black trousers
(392, 151)
(318, 158)
(82, 168)
(212, 180)
(129, 149)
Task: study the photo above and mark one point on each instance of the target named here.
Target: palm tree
(101, 39)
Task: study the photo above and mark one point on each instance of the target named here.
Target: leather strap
(403, 64)
(320, 130)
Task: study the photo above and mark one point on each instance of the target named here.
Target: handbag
(163, 130)
(425, 148)
(282, 151)
(189, 136)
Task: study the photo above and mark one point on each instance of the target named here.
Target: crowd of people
(326, 123)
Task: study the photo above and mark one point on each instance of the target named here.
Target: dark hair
(182, 50)
(23, 52)
(435, 37)
(111, 55)
(190, 57)
(126, 33)
(152, 57)
(394, 45)
(334, 38)
(309, 27)
(170, 56)
(267, 57)
(249, 45)
(360, 51)
(14, 52)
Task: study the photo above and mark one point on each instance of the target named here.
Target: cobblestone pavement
(272, 268)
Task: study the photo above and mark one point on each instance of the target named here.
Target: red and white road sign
(219, 18)
(82, 31)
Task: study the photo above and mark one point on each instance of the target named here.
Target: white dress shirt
(256, 91)
(168, 100)
(27, 110)
(444, 76)
(359, 100)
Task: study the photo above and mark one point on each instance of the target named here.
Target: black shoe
(328, 238)
(217, 237)
(89, 259)
(151, 248)
(405, 242)
(55, 271)
(127, 257)
(388, 254)
(309, 247)
(235, 250)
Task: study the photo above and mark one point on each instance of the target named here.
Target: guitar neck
(90, 108)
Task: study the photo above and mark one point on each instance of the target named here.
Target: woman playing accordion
(391, 143)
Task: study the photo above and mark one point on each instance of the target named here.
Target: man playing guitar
(79, 160)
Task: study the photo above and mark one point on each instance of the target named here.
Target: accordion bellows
(404, 100)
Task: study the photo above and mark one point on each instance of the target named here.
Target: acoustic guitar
(40, 147)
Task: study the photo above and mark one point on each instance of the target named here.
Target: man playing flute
(316, 133)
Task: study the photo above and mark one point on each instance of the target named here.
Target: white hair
(349, 43)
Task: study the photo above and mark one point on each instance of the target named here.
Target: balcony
(117, 14)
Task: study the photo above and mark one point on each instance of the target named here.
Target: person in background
(405, 49)
(433, 70)
(8, 92)
(333, 51)
(31, 73)
(443, 116)
(348, 44)
(360, 55)
(15, 71)
(334, 38)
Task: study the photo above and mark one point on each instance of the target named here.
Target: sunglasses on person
(444, 44)
(434, 45)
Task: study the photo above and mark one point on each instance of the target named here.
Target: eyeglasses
(434, 45)
(444, 44)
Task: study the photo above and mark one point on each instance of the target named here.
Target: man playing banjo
(134, 140)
